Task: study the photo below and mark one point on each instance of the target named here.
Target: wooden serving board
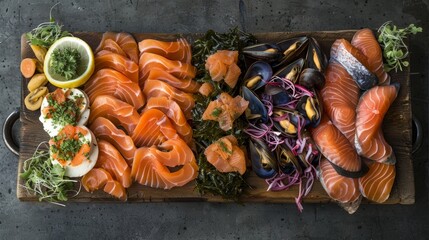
(397, 129)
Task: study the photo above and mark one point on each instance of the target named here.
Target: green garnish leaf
(65, 62)
(216, 112)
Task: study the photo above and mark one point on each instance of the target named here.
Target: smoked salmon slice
(111, 82)
(339, 188)
(148, 170)
(124, 40)
(150, 61)
(377, 183)
(186, 85)
(370, 112)
(223, 65)
(112, 161)
(118, 112)
(173, 111)
(173, 152)
(337, 149)
(106, 59)
(111, 46)
(340, 96)
(153, 128)
(179, 50)
(156, 88)
(365, 41)
(115, 189)
(104, 129)
(355, 62)
(226, 156)
(95, 179)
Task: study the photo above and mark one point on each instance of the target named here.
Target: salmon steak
(226, 155)
(173, 111)
(179, 50)
(153, 128)
(186, 85)
(340, 96)
(365, 41)
(107, 59)
(104, 129)
(370, 112)
(111, 82)
(112, 161)
(377, 183)
(124, 40)
(118, 112)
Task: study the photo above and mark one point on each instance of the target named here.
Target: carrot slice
(28, 67)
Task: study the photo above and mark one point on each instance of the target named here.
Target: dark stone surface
(23, 220)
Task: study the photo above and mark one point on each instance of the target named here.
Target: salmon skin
(111, 82)
(365, 41)
(377, 183)
(106, 59)
(371, 109)
(186, 85)
(179, 50)
(354, 62)
(124, 40)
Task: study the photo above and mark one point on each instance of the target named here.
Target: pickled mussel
(286, 121)
(264, 163)
(291, 71)
(311, 78)
(256, 109)
(257, 75)
(315, 58)
(267, 52)
(287, 161)
(311, 109)
(291, 49)
(279, 96)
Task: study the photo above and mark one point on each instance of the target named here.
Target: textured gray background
(22, 220)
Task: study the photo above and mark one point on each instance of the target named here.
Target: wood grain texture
(397, 128)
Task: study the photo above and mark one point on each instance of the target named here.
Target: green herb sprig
(65, 62)
(395, 51)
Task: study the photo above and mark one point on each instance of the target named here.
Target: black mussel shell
(288, 162)
(311, 109)
(315, 58)
(267, 52)
(291, 71)
(257, 75)
(289, 125)
(311, 79)
(279, 95)
(291, 49)
(256, 109)
(264, 163)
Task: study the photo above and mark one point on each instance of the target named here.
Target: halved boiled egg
(74, 148)
(64, 106)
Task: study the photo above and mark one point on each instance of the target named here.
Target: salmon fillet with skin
(173, 111)
(187, 85)
(377, 183)
(340, 96)
(112, 161)
(365, 41)
(124, 40)
(104, 129)
(179, 50)
(107, 59)
(118, 112)
(371, 109)
(156, 88)
(111, 82)
(95, 179)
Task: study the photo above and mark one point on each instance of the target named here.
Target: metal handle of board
(417, 127)
(7, 131)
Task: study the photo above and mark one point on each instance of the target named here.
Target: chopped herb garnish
(65, 62)
(65, 113)
(216, 112)
(224, 147)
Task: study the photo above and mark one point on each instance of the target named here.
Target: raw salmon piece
(377, 183)
(225, 110)
(206, 89)
(223, 65)
(179, 50)
(156, 88)
(153, 128)
(217, 70)
(111, 82)
(355, 62)
(115, 189)
(365, 41)
(95, 179)
(105, 130)
(336, 148)
(173, 152)
(339, 188)
(173, 111)
(106, 59)
(111, 46)
(112, 161)
(148, 170)
(232, 75)
(125, 40)
(226, 156)
(370, 111)
(118, 112)
(186, 85)
(340, 96)
(150, 61)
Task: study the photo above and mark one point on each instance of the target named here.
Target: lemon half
(85, 68)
